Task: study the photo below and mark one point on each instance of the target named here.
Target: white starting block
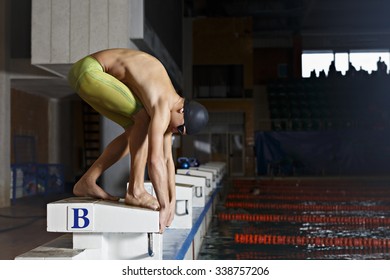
(97, 229)
(210, 183)
(221, 164)
(199, 188)
(184, 203)
(217, 177)
(218, 164)
(183, 211)
(102, 230)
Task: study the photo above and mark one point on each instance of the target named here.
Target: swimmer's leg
(138, 142)
(87, 186)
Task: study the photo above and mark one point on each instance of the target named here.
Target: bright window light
(317, 62)
(360, 60)
(341, 62)
(368, 60)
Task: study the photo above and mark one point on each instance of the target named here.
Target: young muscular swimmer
(133, 89)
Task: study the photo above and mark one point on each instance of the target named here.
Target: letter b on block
(77, 217)
(80, 218)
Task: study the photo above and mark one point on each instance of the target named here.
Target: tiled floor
(23, 226)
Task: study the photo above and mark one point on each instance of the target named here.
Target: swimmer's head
(195, 118)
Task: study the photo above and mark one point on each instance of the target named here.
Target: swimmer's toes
(112, 198)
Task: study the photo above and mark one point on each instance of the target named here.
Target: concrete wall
(63, 31)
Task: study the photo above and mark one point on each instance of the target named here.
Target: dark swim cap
(195, 116)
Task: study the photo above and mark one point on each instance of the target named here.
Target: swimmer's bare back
(144, 74)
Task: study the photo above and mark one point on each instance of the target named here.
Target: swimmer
(133, 89)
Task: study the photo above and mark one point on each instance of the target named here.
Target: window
(316, 61)
(368, 60)
(360, 60)
(341, 62)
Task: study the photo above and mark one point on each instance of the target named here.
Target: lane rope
(369, 221)
(348, 242)
(305, 197)
(305, 207)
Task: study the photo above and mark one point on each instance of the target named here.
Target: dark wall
(29, 119)
(165, 17)
(20, 28)
(353, 152)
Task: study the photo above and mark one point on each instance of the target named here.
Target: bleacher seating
(327, 103)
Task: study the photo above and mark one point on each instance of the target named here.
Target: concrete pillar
(114, 179)
(63, 31)
(5, 105)
(54, 132)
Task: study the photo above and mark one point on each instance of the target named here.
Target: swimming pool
(301, 218)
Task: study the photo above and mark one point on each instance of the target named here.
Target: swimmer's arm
(170, 166)
(157, 167)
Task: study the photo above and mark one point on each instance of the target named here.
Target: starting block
(184, 203)
(97, 229)
(199, 188)
(220, 167)
(183, 211)
(102, 230)
(210, 183)
(216, 176)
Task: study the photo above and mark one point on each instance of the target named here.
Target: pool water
(335, 219)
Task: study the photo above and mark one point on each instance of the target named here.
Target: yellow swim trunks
(106, 94)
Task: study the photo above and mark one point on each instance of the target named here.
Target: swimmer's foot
(144, 200)
(91, 189)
